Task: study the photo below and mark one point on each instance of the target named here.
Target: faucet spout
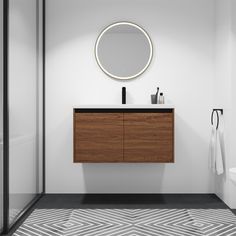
(123, 95)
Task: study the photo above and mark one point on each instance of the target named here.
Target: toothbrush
(157, 93)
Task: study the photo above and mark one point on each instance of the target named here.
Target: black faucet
(123, 95)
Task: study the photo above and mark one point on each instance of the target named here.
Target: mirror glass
(123, 50)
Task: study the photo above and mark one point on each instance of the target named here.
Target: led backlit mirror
(123, 50)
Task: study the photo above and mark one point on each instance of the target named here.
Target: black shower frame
(6, 226)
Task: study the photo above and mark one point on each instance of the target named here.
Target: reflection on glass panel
(24, 104)
(1, 115)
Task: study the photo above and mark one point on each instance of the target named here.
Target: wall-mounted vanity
(124, 133)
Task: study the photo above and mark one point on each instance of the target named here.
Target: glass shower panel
(25, 106)
(1, 114)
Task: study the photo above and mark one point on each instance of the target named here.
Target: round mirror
(123, 50)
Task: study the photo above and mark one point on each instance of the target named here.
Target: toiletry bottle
(161, 99)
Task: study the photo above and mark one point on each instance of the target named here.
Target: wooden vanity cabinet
(148, 137)
(98, 137)
(124, 135)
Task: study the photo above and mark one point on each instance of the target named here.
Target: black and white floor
(132, 222)
(129, 215)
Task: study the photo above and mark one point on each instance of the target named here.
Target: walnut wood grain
(98, 137)
(149, 137)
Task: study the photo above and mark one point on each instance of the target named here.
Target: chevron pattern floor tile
(129, 222)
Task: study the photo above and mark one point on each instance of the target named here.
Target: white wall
(183, 67)
(233, 71)
(1, 64)
(225, 86)
(233, 100)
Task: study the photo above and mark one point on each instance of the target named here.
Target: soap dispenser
(161, 99)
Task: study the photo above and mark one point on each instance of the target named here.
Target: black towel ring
(218, 118)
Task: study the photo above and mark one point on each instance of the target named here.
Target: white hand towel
(222, 141)
(212, 151)
(219, 148)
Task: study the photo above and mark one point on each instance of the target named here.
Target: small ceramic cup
(154, 99)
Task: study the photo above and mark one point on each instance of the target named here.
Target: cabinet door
(98, 137)
(148, 137)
